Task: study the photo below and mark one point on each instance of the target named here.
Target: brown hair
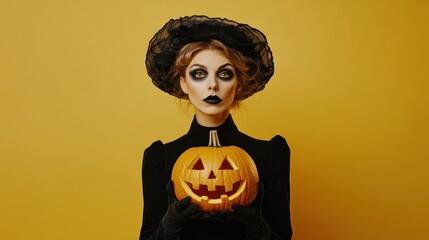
(247, 69)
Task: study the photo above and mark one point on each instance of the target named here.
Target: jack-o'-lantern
(216, 177)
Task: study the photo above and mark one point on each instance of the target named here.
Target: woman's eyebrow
(198, 65)
(203, 66)
(225, 65)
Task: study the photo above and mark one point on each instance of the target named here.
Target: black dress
(271, 159)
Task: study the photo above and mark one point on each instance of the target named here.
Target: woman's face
(210, 82)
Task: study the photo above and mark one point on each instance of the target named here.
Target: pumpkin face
(216, 177)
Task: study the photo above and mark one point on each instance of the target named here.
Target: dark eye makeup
(225, 74)
(201, 74)
(198, 74)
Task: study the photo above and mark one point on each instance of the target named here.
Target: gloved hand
(250, 217)
(178, 212)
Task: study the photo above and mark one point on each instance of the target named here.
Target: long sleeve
(154, 191)
(276, 210)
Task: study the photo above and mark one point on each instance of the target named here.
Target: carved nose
(212, 175)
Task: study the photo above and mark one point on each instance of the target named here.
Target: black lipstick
(212, 99)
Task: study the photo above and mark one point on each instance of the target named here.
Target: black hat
(176, 33)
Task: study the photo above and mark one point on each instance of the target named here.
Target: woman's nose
(213, 84)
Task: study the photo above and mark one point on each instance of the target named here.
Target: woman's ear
(183, 85)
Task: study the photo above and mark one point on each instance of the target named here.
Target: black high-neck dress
(271, 159)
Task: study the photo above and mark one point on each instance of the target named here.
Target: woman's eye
(226, 74)
(198, 74)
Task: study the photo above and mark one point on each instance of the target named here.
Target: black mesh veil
(176, 33)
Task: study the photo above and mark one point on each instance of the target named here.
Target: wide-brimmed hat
(176, 33)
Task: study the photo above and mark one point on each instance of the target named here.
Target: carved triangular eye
(198, 165)
(226, 165)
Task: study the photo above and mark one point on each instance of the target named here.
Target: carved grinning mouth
(217, 193)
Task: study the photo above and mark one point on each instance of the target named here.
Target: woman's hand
(178, 212)
(250, 217)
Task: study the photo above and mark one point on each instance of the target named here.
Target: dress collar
(199, 135)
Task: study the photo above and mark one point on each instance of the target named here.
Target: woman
(214, 63)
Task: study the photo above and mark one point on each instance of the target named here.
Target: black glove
(177, 214)
(250, 217)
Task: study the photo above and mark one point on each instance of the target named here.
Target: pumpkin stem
(214, 139)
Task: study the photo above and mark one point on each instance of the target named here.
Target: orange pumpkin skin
(216, 177)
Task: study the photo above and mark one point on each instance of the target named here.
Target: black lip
(212, 99)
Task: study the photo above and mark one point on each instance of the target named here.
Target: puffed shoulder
(153, 154)
(279, 141)
(156, 145)
(280, 151)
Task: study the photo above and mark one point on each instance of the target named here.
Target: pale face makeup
(210, 83)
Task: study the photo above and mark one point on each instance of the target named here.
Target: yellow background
(350, 94)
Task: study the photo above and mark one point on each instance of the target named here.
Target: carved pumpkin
(216, 177)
